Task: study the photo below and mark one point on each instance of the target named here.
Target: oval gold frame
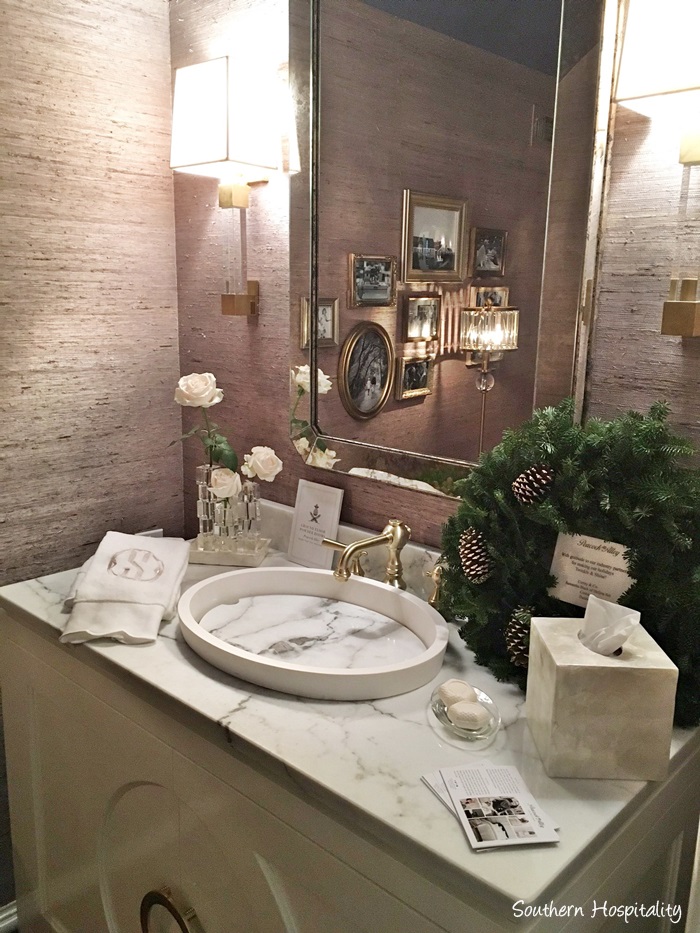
(349, 346)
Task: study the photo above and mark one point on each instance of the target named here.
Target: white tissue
(607, 626)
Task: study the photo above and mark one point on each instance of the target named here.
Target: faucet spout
(394, 535)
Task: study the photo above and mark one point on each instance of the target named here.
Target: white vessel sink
(302, 631)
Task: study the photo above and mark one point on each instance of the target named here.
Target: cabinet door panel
(85, 756)
(296, 886)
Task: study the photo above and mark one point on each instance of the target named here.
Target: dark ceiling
(523, 31)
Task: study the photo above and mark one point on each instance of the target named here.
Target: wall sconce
(235, 125)
(489, 332)
(659, 77)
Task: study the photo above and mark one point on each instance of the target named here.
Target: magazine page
(436, 783)
(495, 807)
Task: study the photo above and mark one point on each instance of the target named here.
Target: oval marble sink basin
(302, 631)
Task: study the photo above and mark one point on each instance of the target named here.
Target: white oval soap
(466, 714)
(452, 691)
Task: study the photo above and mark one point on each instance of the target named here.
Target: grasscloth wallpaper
(90, 346)
(88, 310)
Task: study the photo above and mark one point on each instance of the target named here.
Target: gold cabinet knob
(186, 919)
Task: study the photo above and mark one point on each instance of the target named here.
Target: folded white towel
(126, 588)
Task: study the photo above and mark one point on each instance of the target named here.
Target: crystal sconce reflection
(659, 77)
(234, 122)
(486, 334)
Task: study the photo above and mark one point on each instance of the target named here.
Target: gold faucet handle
(436, 576)
(355, 565)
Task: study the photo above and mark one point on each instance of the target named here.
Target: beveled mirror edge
(411, 462)
(614, 14)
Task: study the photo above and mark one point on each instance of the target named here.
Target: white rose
(326, 459)
(225, 483)
(302, 446)
(262, 462)
(302, 378)
(324, 383)
(198, 390)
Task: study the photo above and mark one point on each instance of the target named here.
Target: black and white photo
(421, 317)
(434, 238)
(327, 326)
(365, 370)
(488, 251)
(372, 281)
(485, 296)
(413, 377)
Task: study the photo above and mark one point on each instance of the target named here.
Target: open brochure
(493, 805)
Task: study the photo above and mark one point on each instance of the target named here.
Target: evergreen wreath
(621, 480)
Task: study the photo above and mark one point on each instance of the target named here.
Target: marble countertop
(371, 755)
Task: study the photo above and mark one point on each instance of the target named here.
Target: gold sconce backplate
(242, 305)
(681, 318)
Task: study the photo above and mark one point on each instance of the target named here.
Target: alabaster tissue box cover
(593, 716)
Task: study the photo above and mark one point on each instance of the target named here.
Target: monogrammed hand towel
(126, 589)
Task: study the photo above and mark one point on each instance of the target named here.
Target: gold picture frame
(328, 323)
(481, 295)
(372, 281)
(421, 316)
(433, 238)
(414, 376)
(365, 370)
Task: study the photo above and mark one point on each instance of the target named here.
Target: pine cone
(476, 562)
(517, 635)
(532, 485)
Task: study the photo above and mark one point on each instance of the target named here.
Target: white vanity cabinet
(112, 799)
(136, 768)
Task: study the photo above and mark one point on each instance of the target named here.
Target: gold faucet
(355, 566)
(395, 535)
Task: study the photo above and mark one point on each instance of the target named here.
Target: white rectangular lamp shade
(660, 49)
(224, 122)
(488, 329)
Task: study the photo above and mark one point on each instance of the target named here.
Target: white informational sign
(585, 565)
(316, 516)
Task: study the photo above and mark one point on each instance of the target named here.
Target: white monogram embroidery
(136, 564)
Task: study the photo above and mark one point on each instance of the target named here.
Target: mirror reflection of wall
(405, 106)
(460, 110)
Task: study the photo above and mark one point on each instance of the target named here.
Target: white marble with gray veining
(371, 755)
(315, 632)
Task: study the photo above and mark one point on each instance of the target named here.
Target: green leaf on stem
(220, 451)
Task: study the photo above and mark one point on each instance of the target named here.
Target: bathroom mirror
(489, 109)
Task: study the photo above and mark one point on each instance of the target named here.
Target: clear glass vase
(229, 526)
(206, 503)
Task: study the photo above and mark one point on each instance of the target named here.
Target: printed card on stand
(316, 516)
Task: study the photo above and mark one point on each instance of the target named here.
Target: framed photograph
(327, 315)
(482, 296)
(365, 370)
(434, 244)
(372, 281)
(487, 249)
(414, 376)
(421, 315)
